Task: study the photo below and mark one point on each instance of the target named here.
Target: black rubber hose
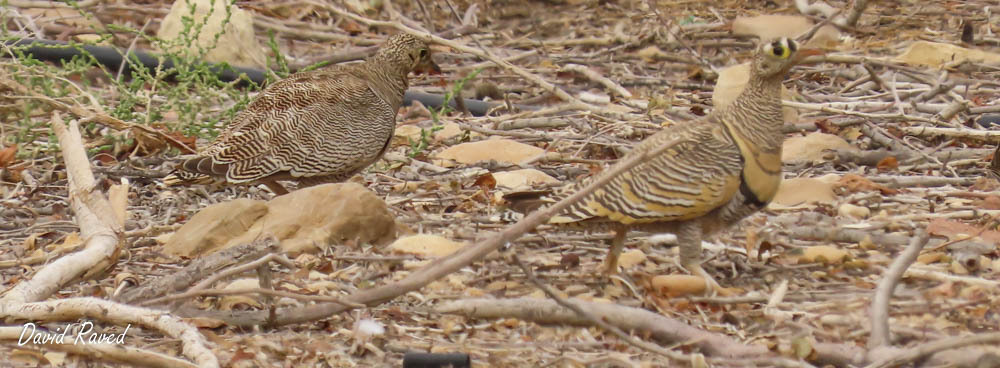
(430, 360)
(112, 58)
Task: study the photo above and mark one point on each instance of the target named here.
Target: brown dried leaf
(888, 164)
(486, 182)
(7, 156)
(857, 183)
(955, 230)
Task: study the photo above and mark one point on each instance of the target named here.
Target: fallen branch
(198, 270)
(661, 329)
(193, 344)
(915, 353)
(989, 136)
(99, 226)
(112, 352)
(595, 320)
(880, 303)
(597, 77)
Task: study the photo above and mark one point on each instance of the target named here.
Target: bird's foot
(710, 282)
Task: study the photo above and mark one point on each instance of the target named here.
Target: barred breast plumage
(314, 127)
(723, 168)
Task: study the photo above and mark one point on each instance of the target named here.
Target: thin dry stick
(597, 77)
(262, 291)
(97, 117)
(652, 348)
(95, 216)
(96, 352)
(193, 344)
(924, 350)
(880, 303)
(441, 266)
(548, 87)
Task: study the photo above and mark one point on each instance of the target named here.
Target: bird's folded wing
(290, 123)
(689, 180)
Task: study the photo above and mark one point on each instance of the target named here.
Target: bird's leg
(275, 187)
(689, 240)
(617, 244)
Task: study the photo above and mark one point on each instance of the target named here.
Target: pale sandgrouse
(314, 127)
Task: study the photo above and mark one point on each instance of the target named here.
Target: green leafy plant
(185, 99)
(417, 146)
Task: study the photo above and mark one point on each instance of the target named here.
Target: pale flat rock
(769, 26)
(501, 150)
(678, 285)
(306, 220)
(522, 178)
(406, 133)
(426, 245)
(812, 147)
(797, 191)
(309, 219)
(236, 44)
(937, 54)
(214, 226)
(823, 254)
(854, 211)
(631, 258)
(731, 82)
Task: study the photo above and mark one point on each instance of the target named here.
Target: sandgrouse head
(775, 57)
(408, 52)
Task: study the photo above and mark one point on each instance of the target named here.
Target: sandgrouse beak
(805, 53)
(428, 67)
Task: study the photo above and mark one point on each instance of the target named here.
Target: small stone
(426, 245)
(853, 211)
(678, 285)
(631, 258)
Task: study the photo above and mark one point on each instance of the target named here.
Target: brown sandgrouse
(314, 127)
(725, 166)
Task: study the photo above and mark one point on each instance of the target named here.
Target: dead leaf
(31, 242)
(857, 183)
(69, 243)
(500, 150)
(796, 191)
(205, 322)
(486, 182)
(351, 27)
(991, 202)
(812, 147)
(956, 230)
(887, 164)
(7, 156)
(651, 54)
